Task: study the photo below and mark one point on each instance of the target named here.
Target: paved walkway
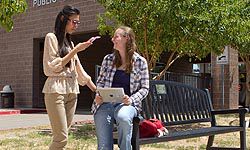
(13, 121)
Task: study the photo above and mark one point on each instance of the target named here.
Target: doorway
(38, 75)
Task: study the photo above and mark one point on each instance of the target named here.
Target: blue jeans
(104, 122)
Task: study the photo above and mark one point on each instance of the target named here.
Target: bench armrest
(137, 119)
(230, 111)
(241, 111)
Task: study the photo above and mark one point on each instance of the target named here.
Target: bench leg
(135, 141)
(210, 141)
(135, 146)
(135, 134)
(243, 145)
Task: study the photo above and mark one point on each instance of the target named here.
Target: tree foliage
(238, 27)
(8, 9)
(181, 27)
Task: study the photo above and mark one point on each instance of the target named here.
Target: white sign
(223, 58)
(39, 3)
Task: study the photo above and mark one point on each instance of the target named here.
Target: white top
(61, 79)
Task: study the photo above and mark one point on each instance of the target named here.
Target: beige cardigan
(61, 79)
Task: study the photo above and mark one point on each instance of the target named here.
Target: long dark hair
(130, 49)
(60, 25)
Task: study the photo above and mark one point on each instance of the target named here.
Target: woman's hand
(98, 99)
(126, 100)
(82, 46)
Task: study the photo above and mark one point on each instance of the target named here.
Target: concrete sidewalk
(14, 121)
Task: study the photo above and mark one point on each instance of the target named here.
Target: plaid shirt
(139, 79)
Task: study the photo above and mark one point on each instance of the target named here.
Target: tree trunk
(247, 103)
(170, 61)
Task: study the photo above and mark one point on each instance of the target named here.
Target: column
(225, 80)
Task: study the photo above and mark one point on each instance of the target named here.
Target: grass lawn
(82, 137)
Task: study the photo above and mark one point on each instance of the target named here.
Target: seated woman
(127, 69)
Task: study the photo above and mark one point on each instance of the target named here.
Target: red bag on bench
(151, 128)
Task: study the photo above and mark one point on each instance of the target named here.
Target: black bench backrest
(176, 103)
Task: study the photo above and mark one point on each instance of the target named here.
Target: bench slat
(177, 103)
(190, 134)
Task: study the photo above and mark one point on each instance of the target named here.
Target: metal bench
(179, 104)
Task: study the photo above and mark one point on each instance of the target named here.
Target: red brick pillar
(229, 72)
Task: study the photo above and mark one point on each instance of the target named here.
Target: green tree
(8, 9)
(180, 27)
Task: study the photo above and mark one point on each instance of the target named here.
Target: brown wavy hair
(130, 49)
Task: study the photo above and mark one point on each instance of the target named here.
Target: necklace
(122, 67)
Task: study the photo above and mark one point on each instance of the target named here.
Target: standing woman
(64, 71)
(127, 69)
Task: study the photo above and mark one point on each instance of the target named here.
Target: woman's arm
(137, 97)
(79, 47)
(52, 62)
(83, 78)
(91, 85)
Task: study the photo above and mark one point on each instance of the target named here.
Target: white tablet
(111, 94)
